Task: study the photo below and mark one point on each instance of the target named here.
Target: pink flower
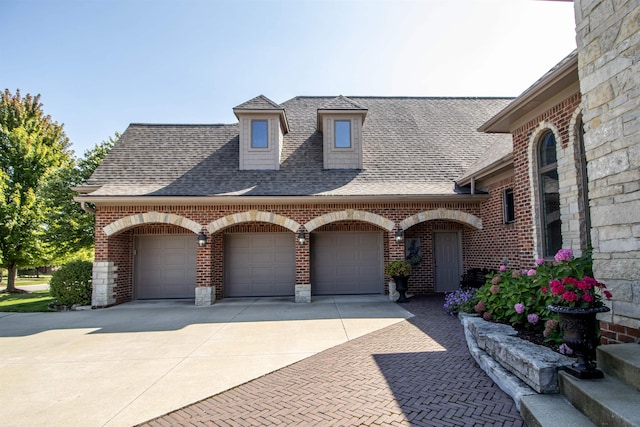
(533, 318)
(587, 298)
(545, 290)
(540, 261)
(503, 267)
(495, 280)
(564, 255)
(531, 272)
(570, 296)
(519, 308)
(480, 307)
(607, 294)
(583, 285)
(486, 316)
(494, 289)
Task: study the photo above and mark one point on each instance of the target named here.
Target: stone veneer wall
(608, 39)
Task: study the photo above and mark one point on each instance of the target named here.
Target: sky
(102, 64)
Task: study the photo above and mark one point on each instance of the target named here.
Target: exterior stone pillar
(303, 271)
(103, 282)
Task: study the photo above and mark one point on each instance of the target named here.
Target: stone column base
(103, 284)
(205, 295)
(303, 293)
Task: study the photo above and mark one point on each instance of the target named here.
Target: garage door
(259, 264)
(166, 266)
(346, 263)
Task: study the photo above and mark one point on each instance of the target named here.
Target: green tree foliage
(69, 229)
(32, 146)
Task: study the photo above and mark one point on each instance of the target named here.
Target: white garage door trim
(259, 264)
(347, 263)
(165, 266)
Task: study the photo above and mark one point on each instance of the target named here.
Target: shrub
(461, 300)
(71, 284)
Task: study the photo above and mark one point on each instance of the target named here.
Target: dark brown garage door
(346, 263)
(165, 266)
(259, 264)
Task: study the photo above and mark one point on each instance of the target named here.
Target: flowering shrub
(520, 297)
(462, 300)
(572, 284)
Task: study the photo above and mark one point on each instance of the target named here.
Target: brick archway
(148, 218)
(350, 215)
(252, 216)
(457, 216)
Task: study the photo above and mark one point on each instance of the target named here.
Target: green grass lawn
(35, 301)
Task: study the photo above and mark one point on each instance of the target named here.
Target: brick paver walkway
(415, 373)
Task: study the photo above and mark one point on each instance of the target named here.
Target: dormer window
(340, 120)
(262, 124)
(259, 134)
(342, 133)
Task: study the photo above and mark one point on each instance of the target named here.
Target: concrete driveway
(126, 364)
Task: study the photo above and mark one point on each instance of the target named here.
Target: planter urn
(402, 284)
(580, 331)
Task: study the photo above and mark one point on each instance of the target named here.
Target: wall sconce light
(301, 238)
(399, 236)
(202, 239)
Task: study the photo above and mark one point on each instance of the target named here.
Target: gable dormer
(263, 124)
(340, 121)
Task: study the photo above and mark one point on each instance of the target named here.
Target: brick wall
(118, 247)
(559, 120)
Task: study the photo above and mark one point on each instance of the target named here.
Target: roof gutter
(274, 200)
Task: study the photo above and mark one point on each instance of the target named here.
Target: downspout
(87, 208)
(473, 185)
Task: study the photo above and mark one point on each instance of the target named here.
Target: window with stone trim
(548, 183)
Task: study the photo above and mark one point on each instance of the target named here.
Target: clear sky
(100, 65)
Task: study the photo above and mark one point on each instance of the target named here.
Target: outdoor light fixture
(202, 239)
(301, 239)
(399, 236)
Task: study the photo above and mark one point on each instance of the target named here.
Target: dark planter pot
(581, 332)
(402, 284)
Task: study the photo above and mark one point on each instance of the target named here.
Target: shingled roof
(411, 146)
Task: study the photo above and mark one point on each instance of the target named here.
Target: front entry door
(447, 260)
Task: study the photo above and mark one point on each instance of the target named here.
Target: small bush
(462, 300)
(72, 283)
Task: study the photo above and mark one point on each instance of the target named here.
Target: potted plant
(577, 300)
(399, 271)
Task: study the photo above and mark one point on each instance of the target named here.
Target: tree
(32, 146)
(68, 228)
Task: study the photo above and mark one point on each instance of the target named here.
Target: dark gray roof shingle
(411, 146)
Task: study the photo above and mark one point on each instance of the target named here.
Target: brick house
(300, 199)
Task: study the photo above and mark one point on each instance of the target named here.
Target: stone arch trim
(350, 215)
(451, 215)
(532, 154)
(252, 216)
(148, 218)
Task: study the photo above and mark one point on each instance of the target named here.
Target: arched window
(549, 195)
